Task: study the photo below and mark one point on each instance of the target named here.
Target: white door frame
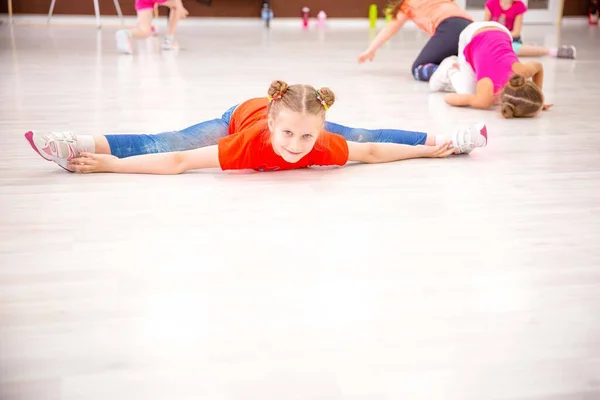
(548, 16)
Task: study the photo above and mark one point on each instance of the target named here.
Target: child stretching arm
(383, 36)
(208, 157)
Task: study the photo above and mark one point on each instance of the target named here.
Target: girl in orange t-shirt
(442, 20)
(287, 130)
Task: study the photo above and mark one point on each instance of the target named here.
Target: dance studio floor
(470, 278)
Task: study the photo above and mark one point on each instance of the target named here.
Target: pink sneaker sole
(483, 132)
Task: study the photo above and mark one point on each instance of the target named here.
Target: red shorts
(145, 4)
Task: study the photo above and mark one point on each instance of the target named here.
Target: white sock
(86, 144)
(552, 52)
(441, 139)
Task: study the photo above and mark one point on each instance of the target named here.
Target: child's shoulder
(492, 4)
(255, 101)
(519, 6)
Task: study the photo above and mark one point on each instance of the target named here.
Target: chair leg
(119, 12)
(10, 12)
(97, 12)
(51, 10)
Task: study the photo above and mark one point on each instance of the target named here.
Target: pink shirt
(506, 17)
(491, 55)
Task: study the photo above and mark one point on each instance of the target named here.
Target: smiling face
(293, 134)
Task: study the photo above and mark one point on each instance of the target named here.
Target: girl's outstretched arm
(516, 32)
(158, 164)
(383, 36)
(373, 153)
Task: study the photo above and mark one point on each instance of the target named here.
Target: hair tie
(275, 97)
(325, 106)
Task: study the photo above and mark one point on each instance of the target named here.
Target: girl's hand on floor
(546, 106)
(440, 151)
(89, 162)
(367, 55)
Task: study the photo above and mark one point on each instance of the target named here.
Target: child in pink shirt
(145, 13)
(487, 70)
(510, 14)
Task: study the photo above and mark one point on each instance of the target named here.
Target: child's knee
(360, 135)
(145, 31)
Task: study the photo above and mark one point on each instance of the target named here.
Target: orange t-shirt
(248, 145)
(428, 14)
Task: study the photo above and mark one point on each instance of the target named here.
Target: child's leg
(144, 24)
(464, 80)
(203, 134)
(464, 139)
(379, 135)
(176, 12)
(443, 44)
(62, 146)
(455, 74)
(528, 50)
(141, 31)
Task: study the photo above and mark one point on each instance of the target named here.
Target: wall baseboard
(113, 21)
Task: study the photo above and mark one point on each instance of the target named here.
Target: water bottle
(321, 18)
(373, 15)
(305, 16)
(388, 14)
(593, 13)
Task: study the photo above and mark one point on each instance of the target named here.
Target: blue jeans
(208, 133)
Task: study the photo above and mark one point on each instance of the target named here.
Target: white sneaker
(59, 147)
(124, 41)
(440, 80)
(467, 138)
(170, 44)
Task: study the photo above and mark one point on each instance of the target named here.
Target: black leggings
(443, 44)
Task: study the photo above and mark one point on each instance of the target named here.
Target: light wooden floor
(471, 278)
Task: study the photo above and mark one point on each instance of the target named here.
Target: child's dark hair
(394, 6)
(521, 98)
(299, 98)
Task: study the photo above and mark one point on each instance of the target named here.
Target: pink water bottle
(305, 16)
(321, 18)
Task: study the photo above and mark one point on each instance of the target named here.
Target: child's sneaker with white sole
(124, 41)
(466, 139)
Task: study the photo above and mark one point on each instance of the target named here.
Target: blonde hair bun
(277, 89)
(517, 81)
(327, 96)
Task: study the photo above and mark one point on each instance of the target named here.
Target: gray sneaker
(566, 52)
(170, 44)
